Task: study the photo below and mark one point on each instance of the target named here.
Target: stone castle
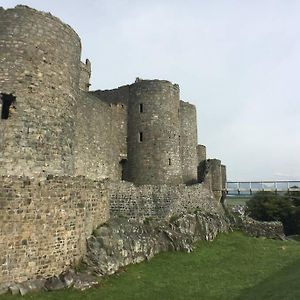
(70, 158)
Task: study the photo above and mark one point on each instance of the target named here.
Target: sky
(237, 61)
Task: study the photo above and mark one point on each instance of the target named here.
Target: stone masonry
(70, 157)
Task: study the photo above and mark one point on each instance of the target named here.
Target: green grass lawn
(233, 266)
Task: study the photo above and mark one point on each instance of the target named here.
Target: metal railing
(250, 187)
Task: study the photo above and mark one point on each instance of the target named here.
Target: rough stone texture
(121, 242)
(155, 159)
(100, 138)
(224, 177)
(44, 224)
(59, 130)
(201, 153)
(85, 75)
(240, 221)
(59, 127)
(162, 201)
(188, 142)
(68, 279)
(40, 64)
(115, 96)
(211, 175)
(271, 230)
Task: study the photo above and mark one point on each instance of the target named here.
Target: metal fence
(250, 187)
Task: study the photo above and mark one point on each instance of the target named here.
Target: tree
(269, 206)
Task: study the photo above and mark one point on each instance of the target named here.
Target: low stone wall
(160, 202)
(44, 224)
(270, 230)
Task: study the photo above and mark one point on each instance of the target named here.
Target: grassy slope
(231, 267)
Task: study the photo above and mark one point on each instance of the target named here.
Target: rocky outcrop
(122, 242)
(69, 279)
(242, 222)
(271, 230)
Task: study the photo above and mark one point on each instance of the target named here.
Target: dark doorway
(7, 100)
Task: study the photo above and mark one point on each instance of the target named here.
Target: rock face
(271, 230)
(121, 242)
(78, 281)
(241, 222)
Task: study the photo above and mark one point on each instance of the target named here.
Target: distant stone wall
(162, 202)
(188, 142)
(85, 75)
(44, 224)
(114, 96)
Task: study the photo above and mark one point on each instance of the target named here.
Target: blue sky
(237, 61)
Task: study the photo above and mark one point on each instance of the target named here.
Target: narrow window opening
(7, 101)
(141, 108)
(140, 137)
(123, 164)
(170, 163)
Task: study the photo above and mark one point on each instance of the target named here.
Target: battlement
(154, 84)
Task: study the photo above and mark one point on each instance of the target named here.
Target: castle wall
(201, 153)
(100, 138)
(44, 224)
(40, 61)
(160, 201)
(114, 96)
(188, 142)
(153, 133)
(214, 178)
(85, 75)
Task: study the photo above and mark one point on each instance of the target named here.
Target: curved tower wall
(153, 133)
(40, 64)
(188, 142)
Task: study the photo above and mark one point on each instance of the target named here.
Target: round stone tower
(40, 66)
(153, 133)
(188, 142)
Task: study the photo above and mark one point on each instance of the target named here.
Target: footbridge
(250, 187)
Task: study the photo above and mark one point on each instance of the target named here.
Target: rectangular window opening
(141, 108)
(7, 101)
(140, 137)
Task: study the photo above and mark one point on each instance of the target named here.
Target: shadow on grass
(285, 284)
